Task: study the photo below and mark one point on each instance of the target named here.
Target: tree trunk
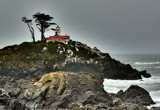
(33, 37)
(32, 32)
(42, 34)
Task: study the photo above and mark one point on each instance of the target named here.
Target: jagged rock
(131, 107)
(95, 50)
(117, 101)
(145, 74)
(16, 105)
(61, 90)
(4, 97)
(135, 94)
(14, 92)
(67, 90)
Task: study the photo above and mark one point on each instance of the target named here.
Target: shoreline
(142, 83)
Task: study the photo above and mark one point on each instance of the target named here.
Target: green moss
(48, 79)
(59, 79)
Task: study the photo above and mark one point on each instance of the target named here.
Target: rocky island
(34, 59)
(65, 76)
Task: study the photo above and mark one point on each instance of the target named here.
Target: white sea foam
(152, 67)
(149, 84)
(156, 97)
(146, 63)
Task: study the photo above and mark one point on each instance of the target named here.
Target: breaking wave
(146, 63)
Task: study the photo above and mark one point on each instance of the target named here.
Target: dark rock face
(135, 94)
(65, 90)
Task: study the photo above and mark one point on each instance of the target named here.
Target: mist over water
(151, 63)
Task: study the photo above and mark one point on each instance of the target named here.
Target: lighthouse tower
(58, 31)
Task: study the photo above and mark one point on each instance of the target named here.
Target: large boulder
(135, 94)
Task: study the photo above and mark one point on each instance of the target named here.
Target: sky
(113, 26)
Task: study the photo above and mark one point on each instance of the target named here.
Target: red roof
(65, 37)
(55, 38)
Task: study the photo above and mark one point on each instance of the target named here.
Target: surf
(146, 63)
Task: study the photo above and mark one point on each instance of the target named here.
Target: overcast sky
(114, 26)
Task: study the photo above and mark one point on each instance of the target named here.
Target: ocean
(149, 62)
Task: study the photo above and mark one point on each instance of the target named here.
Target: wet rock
(145, 74)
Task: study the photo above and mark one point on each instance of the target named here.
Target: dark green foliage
(43, 22)
(29, 24)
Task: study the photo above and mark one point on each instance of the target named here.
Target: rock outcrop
(66, 90)
(30, 60)
(135, 94)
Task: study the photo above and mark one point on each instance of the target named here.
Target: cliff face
(34, 59)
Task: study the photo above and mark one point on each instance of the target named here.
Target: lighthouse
(58, 37)
(58, 31)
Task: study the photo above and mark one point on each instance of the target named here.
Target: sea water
(151, 63)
